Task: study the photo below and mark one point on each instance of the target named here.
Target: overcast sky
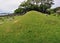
(11, 5)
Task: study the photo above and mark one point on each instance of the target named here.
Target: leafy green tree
(43, 5)
(46, 4)
(38, 5)
(19, 10)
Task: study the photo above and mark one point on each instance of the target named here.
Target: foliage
(56, 9)
(20, 11)
(35, 5)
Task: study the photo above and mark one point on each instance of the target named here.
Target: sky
(8, 6)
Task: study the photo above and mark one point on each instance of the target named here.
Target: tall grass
(33, 27)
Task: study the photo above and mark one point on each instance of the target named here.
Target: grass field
(33, 27)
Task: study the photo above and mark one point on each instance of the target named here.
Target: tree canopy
(38, 5)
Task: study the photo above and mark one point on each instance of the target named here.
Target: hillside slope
(33, 27)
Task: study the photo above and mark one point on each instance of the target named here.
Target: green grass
(33, 27)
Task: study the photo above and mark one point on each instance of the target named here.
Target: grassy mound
(33, 27)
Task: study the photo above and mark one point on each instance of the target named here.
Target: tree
(20, 10)
(38, 5)
(46, 4)
(42, 4)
